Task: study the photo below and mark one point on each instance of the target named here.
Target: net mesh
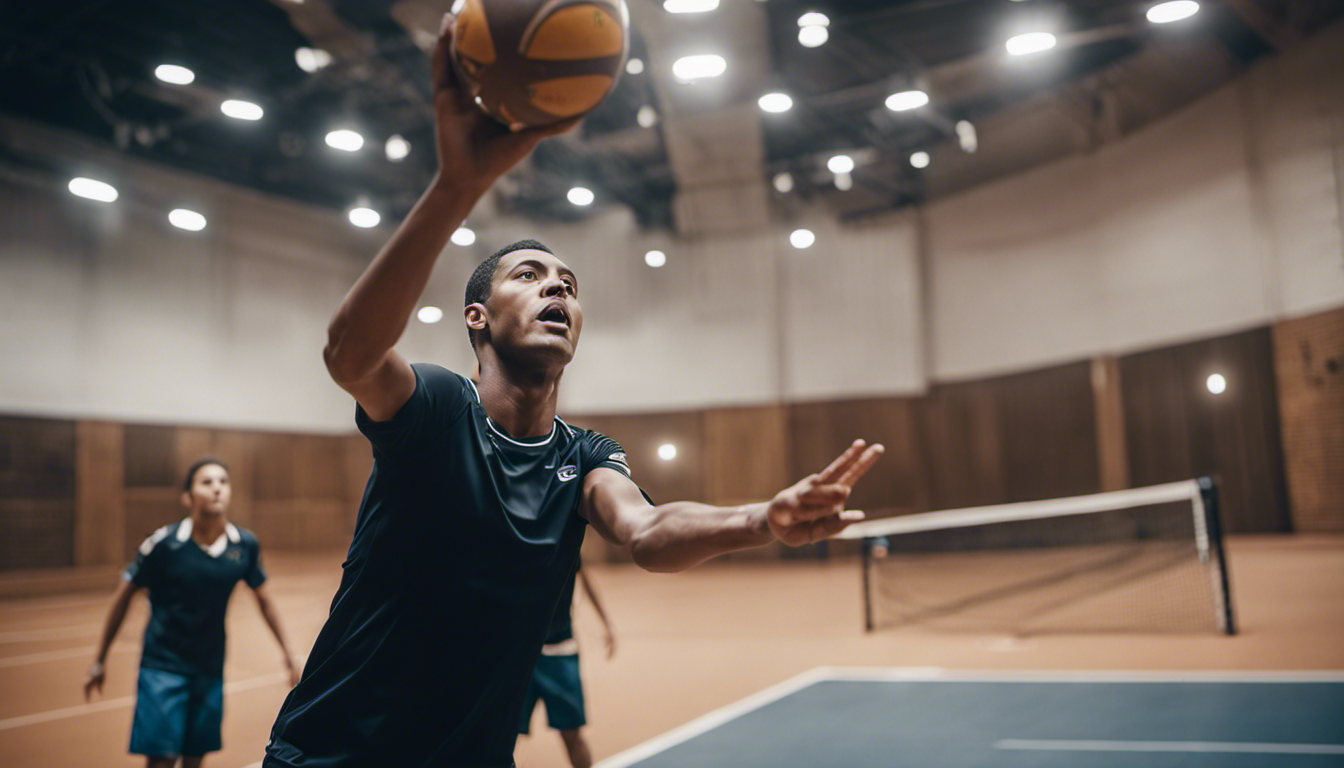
(1131, 561)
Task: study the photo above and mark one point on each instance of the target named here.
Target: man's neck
(522, 403)
(206, 527)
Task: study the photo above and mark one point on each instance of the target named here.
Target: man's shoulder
(244, 536)
(163, 533)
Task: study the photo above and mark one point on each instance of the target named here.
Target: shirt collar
(230, 535)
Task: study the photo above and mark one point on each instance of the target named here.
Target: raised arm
(676, 536)
(267, 608)
(473, 150)
(121, 601)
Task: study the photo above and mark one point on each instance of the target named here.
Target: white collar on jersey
(230, 534)
(504, 435)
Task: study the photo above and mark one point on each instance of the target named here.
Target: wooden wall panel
(818, 432)
(150, 456)
(1309, 374)
(958, 432)
(1176, 429)
(681, 478)
(746, 454)
(100, 507)
(1112, 458)
(147, 510)
(37, 493)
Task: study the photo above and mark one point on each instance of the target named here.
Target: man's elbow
(650, 555)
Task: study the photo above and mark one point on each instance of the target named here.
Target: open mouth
(554, 313)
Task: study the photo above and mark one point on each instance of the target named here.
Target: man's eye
(527, 274)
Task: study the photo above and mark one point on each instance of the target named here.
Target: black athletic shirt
(561, 627)
(189, 589)
(464, 542)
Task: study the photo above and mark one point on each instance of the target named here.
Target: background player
(190, 569)
(443, 606)
(556, 680)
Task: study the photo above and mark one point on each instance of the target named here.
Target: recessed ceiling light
(463, 236)
(655, 258)
(690, 6)
(647, 116)
(667, 451)
(775, 102)
(345, 140)
(802, 238)
(813, 36)
(1165, 13)
(813, 19)
(581, 196)
(1216, 383)
(844, 182)
(920, 159)
(906, 100)
(634, 66)
(185, 219)
(840, 164)
(172, 73)
(429, 315)
(966, 136)
(1031, 42)
(688, 69)
(783, 182)
(396, 148)
(241, 110)
(311, 59)
(364, 217)
(92, 189)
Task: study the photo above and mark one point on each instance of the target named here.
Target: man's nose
(554, 287)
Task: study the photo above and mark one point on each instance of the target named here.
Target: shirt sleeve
(256, 575)
(602, 451)
(142, 571)
(439, 399)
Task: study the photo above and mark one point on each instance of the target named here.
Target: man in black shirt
(474, 512)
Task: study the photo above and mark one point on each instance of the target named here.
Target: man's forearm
(377, 309)
(684, 534)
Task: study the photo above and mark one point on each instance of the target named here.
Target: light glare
(667, 451)
(185, 219)
(397, 148)
(813, 19)
(241, 110)
(634, 66)
(655, 258)
(813, 36)
(802, 238)
(775, 102)
(1165, 13)
(93, 189)
(907, 100)
(688, 69)
(172, 73)
(429, 315)
(345, 140)
(581, 196)
(690, 6)
(311, 59)
(844, 182)
(783, 182)
(463, 236)
(840, 164)
(1031, 42)
(920, 159)
(647, 116)
(1216, 384)
(364, 217)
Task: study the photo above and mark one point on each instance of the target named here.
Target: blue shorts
(176, 714)
(555, 680)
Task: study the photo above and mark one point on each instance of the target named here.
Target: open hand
(813, 508)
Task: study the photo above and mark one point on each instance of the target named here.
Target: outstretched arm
(609, 637)
(473, 150)
(676, 536)
(273, 621)
(121, 601)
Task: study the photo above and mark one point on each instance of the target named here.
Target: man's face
(534, 306)
(210, 491)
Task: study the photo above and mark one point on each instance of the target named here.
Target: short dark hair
(482, 279)
(196, 467)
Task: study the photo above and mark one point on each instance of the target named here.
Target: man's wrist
(96, 668)
(759, 516)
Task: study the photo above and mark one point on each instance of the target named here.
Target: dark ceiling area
(87, 66)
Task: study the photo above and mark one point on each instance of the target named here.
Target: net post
(866, 548)
(1213, 522)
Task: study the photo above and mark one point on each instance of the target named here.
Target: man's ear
(475, 316)
(186, 499)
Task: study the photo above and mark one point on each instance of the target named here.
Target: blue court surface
(891, 718)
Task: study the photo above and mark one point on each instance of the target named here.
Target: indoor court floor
(737, 644)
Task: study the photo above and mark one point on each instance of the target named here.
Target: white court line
(57, 633)
(126, 701)
(711, 721)
(938, 675)
(1065, 745)
(68, 653)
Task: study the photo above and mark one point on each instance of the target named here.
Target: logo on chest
(233, 553)
(567, 473)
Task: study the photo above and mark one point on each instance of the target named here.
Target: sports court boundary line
(1221, 747)
(794, 684)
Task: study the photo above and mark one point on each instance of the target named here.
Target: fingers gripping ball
(537, 62)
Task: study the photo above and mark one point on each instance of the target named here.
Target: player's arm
(268, 612)
(609, 636)
(676, 536)
(116, 614)
(473, 150)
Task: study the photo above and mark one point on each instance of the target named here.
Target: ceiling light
(1216, 384)
(634, 66)
(667, 451)
(813, 36)
(463, 236)
(345, 140)
(397, 148)
(813, 19)
(1165, 13)
(311, 59)
(655, 258)
(844, 182)
(364, 217)
(802, 238)
(646, 116)
(688, 69)
(840, 164)
(93, 189)
(920, 159)
(783, 182)
(775, 102)
(241, 110)
(185, 219)
(429, 315)
(1031, 42)
(172, 73)
(581, 196)
(905, 100)
(690, 6)
(966, 136)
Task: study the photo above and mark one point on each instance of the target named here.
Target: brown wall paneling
(681, 478)
(1112, 458)
(37, 493)
(150, 456)
(958, 430)
(1309, 373)
(100, 506)
(746, 454)
(274, 459)
(147, 510)
(818, 432)
(1176, 429)
(356, 464)
(238, 449)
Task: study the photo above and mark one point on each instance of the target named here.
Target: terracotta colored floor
(688, 644)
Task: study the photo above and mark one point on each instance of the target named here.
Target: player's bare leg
(580, 756)
(160, 762)
(192, 761)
